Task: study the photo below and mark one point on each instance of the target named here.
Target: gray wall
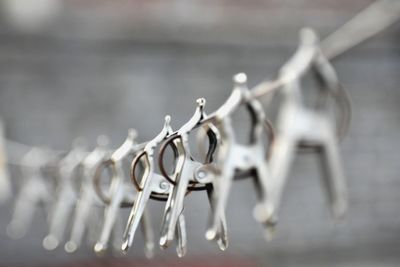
(104, 70)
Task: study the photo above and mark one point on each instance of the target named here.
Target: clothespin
(234, 158)
(184, 178)
(150, 185)
(88, 204)
(300, 126)
(120, 195)
(35, 190)
(66, 195)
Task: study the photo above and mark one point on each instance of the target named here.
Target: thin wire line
(374, 19)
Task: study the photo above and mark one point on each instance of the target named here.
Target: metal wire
(369, 22)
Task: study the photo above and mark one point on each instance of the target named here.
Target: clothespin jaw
(146, 159)
(164, 133)
(195, 120)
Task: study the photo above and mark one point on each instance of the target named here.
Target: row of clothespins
(142, 172)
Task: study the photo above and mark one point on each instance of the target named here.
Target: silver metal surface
(298, 125)
(66, 197)
(151, 183)
(120, 194)
(85, 209)
(233, 157)
(184, 178)
(36, 190)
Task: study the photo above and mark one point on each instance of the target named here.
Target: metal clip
(151, 185)
(184, 178)
(88, 200)
(233, 158)
(299, 126)
(119, 195)
(66, 196)
(35, 190)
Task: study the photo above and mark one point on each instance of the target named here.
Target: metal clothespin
(5, 183)
(300, 126)
(36, 189)
(150, 185)
(66, 195)
(120, 195)
(88, 202)
(185, 179)
(234, 159)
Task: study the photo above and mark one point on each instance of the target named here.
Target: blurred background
(89, 67)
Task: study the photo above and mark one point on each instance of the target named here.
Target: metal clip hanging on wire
(36, 189)
(300, 126)
(234, 158)
(88, 204)
(66, 197)
(120, 194)
(151, 185)
(173, 218)
(5, 183)
(184, 179)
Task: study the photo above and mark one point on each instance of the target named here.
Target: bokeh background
(89, 67)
